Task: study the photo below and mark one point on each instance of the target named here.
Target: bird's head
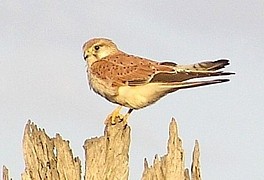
(98, 48)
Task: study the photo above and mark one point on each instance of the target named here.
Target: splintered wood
(171, 166)
(107, 157)
(5, 173)
(195, 169)
(48, 158)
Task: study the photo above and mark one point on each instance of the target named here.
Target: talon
(114, 116)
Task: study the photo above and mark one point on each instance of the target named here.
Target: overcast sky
(43, 78)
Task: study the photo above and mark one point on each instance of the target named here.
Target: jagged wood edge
(48, 158)
(171, 165)
(107, 157)
(5, 173)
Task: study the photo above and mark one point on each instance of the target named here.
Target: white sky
(43, 78)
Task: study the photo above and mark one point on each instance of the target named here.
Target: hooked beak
(85, 55)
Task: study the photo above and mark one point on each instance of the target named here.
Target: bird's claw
(115, 117)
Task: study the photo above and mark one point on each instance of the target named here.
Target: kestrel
(136, 82)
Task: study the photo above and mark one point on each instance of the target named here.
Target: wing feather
(123, 69)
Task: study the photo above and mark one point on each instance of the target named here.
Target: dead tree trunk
(5, 173)
(106, 157)
(48, 158)
(171, 165)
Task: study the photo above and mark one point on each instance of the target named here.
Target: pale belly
(137, 97)
(134, 97)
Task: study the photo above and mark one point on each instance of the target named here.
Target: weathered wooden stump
(106, 157)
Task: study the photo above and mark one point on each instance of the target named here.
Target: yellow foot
(114, 116)
(124, 119)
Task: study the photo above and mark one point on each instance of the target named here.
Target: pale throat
(100, 55)
(91, 60)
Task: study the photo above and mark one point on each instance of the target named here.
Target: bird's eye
(96, 47)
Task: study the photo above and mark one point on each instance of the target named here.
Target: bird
(136, 82)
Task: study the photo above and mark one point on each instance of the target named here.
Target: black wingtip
(186, 85)
(221, 80)
(226, 73)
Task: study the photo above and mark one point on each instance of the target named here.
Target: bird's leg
(125, 118)
(114, 115)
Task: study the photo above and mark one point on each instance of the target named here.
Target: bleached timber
(106, 157)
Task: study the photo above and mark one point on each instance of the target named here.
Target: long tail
(206, 65)
(186, 72)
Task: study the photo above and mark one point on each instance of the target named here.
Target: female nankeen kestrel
(136, 82)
